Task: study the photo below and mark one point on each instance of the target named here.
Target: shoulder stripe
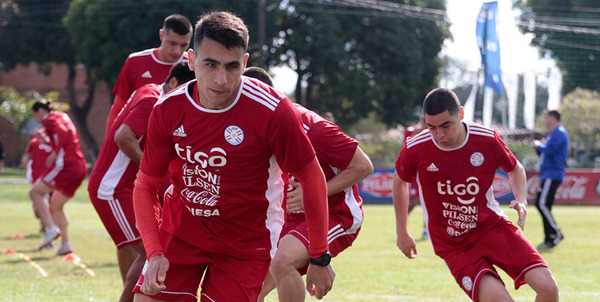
(482, 133)
(146, 52)
(480, 127)
(422, 137)
(260, 95)
(253, 88)
(306, 127)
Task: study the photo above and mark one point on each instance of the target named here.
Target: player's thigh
(291, 252)
(541, 280)
(492, 289)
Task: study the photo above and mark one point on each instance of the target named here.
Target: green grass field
(371, 270)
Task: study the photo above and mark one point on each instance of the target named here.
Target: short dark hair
(181, 71)
(554, 113)
(45, 104)
(440, 100)
(177, 23)
(259, 74)
(223, 27)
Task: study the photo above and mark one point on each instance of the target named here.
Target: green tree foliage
(32, 31)
(579, 115)
(568, 31)
(105, 32)
(15, 108)
(359, 58)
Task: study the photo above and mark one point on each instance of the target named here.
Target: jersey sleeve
(124, 85)
(137, 118)
(331, 145)
(157, 152)
(506, 159)
(404, 166)
(287, 139)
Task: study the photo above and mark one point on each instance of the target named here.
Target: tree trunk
(298, 91)
(81, 112)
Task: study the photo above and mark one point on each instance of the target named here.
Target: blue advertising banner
(489, 45)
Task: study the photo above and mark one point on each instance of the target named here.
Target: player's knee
(548, 291)
(281, 265)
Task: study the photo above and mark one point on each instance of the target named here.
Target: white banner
(529, 106)
(554, 87)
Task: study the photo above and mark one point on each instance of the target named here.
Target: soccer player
(34, 160)
(553, 156)
(65, 170)
(151, 66)
(226, 139)
(111, 181)
(344, 165)
(454, 164)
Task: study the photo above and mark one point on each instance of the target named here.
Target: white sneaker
(50, 235)
(64, 249)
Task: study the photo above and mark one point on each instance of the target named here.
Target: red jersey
(334, 150)
(63, 134)
(114, 171)
(142, 68)
(38, 153)
(455, 185)
(226, 166)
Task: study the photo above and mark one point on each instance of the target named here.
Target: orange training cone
(8, 251)
(17, 236)
(71, 257)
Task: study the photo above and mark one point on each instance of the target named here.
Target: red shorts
(226, 278)
(503, 246)
(65, 179)
(339, 238)
(118, 218)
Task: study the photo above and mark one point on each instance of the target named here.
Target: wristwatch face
(324, 260)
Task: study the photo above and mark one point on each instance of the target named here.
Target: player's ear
(161, 34)
(461, 112)
(171, 84)
(191, 59)
(246, 56)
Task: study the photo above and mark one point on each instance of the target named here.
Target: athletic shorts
(65, 179)
(503, 246)
(339, 239)
(118, 218)
(226, 278)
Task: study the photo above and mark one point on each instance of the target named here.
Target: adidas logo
(179, 132)
(147, 74)
(432, 168)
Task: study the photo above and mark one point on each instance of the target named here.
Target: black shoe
(558, 239)
(546, 245)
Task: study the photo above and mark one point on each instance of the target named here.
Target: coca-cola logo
(501, 185)
(572, 188)
(378, 184)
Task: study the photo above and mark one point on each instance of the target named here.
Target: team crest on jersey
(234, 135)
(467, 283)
(477, 159)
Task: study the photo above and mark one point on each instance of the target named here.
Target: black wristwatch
(321, 261)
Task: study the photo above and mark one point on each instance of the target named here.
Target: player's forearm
(316, 210)
(144, 200)
(518, 182)
(128, 143)
(400, 200)
(359, 168)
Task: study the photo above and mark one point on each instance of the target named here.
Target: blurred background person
(151, 65)
(65, 170)
(553, 154)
